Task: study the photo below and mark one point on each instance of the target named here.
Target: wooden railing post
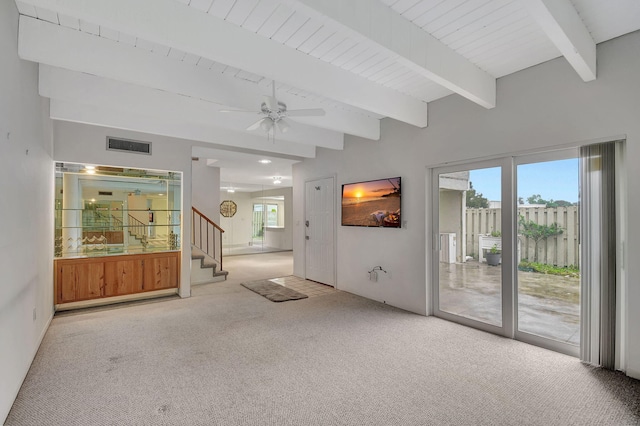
(216, 233)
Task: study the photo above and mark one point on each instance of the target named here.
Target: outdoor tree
(537, 232)
(475, 199)
(537, 199)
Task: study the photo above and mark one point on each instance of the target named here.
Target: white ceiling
(168, 66)
(244, 172)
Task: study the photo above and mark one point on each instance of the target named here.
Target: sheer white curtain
(598, 257)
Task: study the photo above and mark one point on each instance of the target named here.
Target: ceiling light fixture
(277, 180)
(264, 161)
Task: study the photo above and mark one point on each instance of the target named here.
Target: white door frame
(506, 329)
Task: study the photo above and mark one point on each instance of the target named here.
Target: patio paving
(548, 304)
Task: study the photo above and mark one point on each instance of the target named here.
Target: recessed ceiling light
(231, 190)
(90, 167)
(264, 161)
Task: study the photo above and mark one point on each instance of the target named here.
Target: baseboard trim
(115, 299)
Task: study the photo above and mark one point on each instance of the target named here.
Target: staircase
(206, 249)
(204, 269)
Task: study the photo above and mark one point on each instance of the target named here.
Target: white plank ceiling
(360, 60)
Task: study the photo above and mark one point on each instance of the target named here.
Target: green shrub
(571, 271)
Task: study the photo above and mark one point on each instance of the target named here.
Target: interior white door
(319, 231)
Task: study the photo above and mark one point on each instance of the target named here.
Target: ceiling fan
(274, 113)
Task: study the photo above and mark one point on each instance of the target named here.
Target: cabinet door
(66, 283)
(160, 272)
(123, 277)
(79, 281)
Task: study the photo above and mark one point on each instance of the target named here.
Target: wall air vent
(137, 147)
(110, 193)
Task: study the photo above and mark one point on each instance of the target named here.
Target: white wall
(237, 229)
(26, 245)
(206, 189)
(82, 143)
(539, 107)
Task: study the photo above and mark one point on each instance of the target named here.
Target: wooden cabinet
(97, 277)
(160, 272)
(123, 276)
(79, 281)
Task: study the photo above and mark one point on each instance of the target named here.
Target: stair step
(195, 255)
(205, 264)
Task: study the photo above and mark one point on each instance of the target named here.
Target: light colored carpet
(226, 357)
(272, 291)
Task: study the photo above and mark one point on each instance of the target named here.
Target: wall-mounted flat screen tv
(374, 203)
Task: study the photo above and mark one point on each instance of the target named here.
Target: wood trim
(207, 219)
(92, 278)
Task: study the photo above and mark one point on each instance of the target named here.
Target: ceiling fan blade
(311, 112)
(257, 124)
(283, 126)
(239, 110)
(271, 102)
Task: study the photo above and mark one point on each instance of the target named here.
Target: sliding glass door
(548, 251)
(470, 245)
(506, 256)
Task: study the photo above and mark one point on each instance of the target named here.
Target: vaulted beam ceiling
(86, 89)
(412, 46)
(176, 25)
(99, 116)
(564, 27)
(73, 50)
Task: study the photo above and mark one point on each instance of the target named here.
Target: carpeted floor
(227, 357)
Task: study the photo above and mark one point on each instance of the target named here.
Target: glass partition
(256, 224)
(103, 210)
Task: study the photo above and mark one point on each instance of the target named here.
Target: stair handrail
(137, 224)
(118, 223)
(210, 249)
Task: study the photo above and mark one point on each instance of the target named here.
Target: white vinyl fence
(560, 250)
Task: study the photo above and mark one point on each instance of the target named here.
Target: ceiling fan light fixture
(266, 124)
(274, 113)
(283, 126)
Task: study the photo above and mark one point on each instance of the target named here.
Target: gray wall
(539, 107)
(26, 215)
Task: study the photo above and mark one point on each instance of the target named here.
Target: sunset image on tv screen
(372, 203)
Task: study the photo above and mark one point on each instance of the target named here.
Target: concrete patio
(548, 304)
